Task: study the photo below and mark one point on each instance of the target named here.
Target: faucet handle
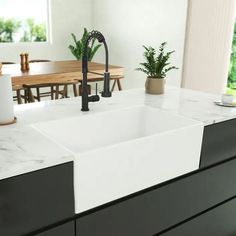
(94, 98)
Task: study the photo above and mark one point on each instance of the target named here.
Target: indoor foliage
(78, 49)
(156, 64)
(12, 30)
(232, 70)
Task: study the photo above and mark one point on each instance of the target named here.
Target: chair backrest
(7, 62)
(50, 84)
(39, 60)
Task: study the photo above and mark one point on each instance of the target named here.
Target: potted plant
(156, 66)
(78, 49)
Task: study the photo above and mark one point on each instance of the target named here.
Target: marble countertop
(23, 149)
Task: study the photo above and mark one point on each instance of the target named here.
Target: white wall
(128, 24)
(208, 44)
(66, 17)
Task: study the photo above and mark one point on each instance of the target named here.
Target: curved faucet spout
(101, 39)
(106, 87)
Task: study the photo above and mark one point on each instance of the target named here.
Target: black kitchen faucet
(106, 87)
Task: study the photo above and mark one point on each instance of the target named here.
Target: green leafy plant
(156, 65)
(8, 28)
(78, 49)
(232, 67)
(34, 32)
(11, 30)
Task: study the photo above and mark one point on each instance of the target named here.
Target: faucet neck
(94, 34)
(107, 57)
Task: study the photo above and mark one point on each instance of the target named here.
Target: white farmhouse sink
(124, 151)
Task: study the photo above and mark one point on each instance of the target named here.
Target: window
(232, 68)
(23, 21)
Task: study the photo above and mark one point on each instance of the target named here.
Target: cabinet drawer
(218, 142)
(217, 222)
(67, 229)
(162, 207)
(36, 200)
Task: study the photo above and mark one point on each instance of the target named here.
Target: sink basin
(120, 152)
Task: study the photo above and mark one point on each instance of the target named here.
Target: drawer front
(67, 229)
(218, 222)
(36, 200)
(163, 207)
(218, 142)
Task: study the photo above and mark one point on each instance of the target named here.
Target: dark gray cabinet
(36, 200)
(220, 221)
(218, 142)
(67, 229)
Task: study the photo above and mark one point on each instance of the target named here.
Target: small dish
(227, 98)
(219, 103)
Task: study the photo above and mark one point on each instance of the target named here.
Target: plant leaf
(156, 63)
(78, 48)
(93, 52)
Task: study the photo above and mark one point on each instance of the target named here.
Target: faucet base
(84, 109)
(106, 94)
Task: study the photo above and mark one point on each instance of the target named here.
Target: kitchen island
(33, 165)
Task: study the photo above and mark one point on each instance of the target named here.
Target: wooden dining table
(60, 71)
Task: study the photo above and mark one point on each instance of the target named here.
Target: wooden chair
(117, 82)
(55, 90)
(95, 77)
(38, 93)
(7, 62)
(19, 97)
(38, 60)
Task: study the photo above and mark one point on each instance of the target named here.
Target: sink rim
(100, 113)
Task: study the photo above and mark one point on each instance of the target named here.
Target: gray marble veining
(23, 149)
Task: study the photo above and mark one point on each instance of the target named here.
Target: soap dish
(225, 105)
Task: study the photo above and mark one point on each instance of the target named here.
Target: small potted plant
(156, 66)
(78, 48)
